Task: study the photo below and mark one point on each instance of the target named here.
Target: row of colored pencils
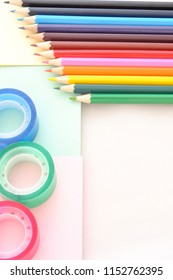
(105, 51)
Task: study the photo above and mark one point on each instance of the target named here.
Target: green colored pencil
(124, 98)
(105, 89)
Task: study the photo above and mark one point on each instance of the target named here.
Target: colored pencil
(109, 29)
(107, 53)
(93, 4)
(70, 45)
(112, 71)
(114, 89)
(124, 98)
(126, 80)
(89, 20)
(41, 37)
(31, 11)
(130, 62)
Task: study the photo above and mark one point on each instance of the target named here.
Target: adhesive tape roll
(18, 100)
(29, 245)
(27, 152)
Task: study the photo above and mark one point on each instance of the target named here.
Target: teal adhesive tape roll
(23, 152)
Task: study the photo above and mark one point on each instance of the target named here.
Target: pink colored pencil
(137, 62)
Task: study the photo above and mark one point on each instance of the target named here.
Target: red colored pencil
(107, 54)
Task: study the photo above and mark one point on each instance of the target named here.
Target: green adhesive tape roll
(32, 152)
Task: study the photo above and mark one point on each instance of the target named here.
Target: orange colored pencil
(111, 71)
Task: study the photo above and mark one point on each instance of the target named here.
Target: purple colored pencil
(111, 29)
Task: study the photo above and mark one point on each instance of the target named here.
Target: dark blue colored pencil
(32, 11)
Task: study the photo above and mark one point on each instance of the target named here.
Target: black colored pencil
(31, 11)
(93, 4)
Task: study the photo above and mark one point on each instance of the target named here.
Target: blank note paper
(60, 118)
(15, 47)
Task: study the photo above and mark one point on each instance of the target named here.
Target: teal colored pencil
(115, 89)
(124, 98)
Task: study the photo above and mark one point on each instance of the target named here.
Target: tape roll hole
(23, 172)
(12, 116)
(12, 233)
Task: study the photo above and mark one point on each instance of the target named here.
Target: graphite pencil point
(7, 2)
(21, 27)
(12, 11)
(33, 45)
(20, 19)
(73, 98)
(46, 62)
(48, 70)
(37, 54)
(52, 79)
(57, 88)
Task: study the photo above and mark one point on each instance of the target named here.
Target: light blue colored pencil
(136, 21)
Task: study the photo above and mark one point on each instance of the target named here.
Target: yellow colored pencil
(126, 80)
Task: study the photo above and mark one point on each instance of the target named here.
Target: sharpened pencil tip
(21, 27)
(12, 11)
(52, 79)
(46, 62)
(7, 2)
(73, 98)
(37, 54)
(20, 19)
(56, 88)
(33, 45)
(49, 70)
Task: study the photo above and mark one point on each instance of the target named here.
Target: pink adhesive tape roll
(29, 245)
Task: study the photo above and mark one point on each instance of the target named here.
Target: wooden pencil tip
(21, 27)
(12, 11)
(37, 54)
(20, 19)
(56, 87)
(49, 70)
(73, 98)
(7, 2)
(33, 45)
(46, 62)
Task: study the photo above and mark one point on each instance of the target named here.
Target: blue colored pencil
(89, 20)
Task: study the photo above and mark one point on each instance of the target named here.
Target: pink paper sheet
(60, 217)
